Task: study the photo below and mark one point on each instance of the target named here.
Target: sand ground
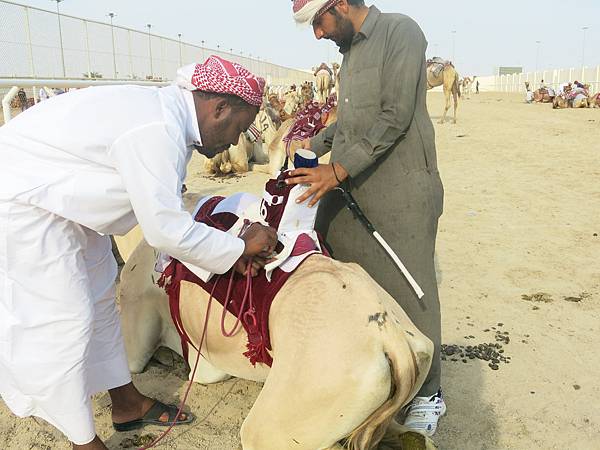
(521, 217)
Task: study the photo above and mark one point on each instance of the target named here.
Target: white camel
(346, 358)
(467, 85)
(323, 82)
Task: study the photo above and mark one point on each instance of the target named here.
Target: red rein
(250, 314)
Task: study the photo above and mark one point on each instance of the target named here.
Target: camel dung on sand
(348, 390)
(443, 73)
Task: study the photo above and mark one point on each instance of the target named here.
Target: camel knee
(258, 436)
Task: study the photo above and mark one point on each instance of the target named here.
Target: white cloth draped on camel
(90, 162)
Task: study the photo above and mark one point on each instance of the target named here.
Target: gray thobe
(384, 138)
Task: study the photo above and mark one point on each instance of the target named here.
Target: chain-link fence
(35, 43)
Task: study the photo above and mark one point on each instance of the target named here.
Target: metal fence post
(131, 74)
(29, 45)
(87, 49)
(62, 50)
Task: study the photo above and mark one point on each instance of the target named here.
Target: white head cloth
(184, 77)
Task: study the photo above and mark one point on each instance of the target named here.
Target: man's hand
(260, 241)
(241, 265)
(322, 179)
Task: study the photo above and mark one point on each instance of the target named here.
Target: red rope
(247, 296)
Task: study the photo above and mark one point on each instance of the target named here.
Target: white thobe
(75, 169)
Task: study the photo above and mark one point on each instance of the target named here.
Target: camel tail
(373, 429)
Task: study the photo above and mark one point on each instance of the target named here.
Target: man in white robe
(76, 169)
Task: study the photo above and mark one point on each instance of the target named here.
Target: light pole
(537, 55)
(62, 50)
(149, 25)
(180, 54)
(112, 32)
(453, 46)
(584, 29)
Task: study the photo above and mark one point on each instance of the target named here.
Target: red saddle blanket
(248, 299)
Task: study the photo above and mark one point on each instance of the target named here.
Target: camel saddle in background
(438, 64)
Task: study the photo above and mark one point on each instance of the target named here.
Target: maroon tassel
(257, 350)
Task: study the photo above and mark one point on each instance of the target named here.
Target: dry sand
(521, 210)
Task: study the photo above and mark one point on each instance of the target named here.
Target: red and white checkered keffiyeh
(223, 77)
(306, 11)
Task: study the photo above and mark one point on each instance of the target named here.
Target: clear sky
(488, 33)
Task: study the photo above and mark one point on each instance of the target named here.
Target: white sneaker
(423, 413)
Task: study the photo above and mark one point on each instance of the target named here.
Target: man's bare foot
(96, 444)
(129, 404)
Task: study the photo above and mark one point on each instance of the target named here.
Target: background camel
(448, 78)
(277, 148)
(324, 83)
(466, 85)
(595, 100)
(237, 158)
(336, 77)
(542, 95)
(314, 395)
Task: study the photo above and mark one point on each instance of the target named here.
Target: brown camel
(447, 77)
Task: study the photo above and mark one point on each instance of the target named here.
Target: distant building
(505, 70)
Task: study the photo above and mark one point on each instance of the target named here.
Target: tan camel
(324, 83)
(277, 147)
(336, 77)
(306, 94)
(237, 158)
(561, 102)
(448, 78)
(346, 358)
(595, 100)
(542, 95)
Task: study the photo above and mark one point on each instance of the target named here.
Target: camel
(236, 159)
(346, 358)
(578, 98)
(542, 95)
(336, 77)
(466, 85)
(324, 83)
(594, 100)
(444, 74)
(306, 94)
(291, 103)
(277, 147)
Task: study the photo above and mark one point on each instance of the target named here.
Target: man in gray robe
(383, 149)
